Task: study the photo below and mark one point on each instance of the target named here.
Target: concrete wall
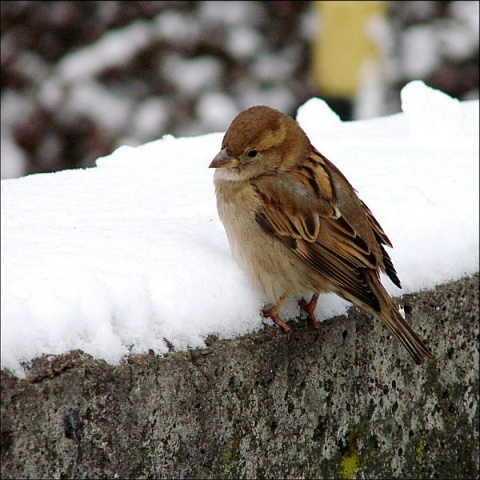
(351, 404)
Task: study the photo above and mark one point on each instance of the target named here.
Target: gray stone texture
(349, 404)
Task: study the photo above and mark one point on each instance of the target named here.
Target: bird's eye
(252, 153)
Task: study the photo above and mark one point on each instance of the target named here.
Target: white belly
(269, 263)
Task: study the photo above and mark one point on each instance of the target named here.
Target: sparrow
(296, 225)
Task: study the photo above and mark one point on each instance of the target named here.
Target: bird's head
(260, 141)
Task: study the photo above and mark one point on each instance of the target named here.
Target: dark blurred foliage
(456, 72)
(38, 35)
(53, 140)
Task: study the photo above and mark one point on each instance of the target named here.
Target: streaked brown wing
(382, 239)
(301, 210)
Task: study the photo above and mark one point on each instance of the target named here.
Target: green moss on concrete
(349, 466)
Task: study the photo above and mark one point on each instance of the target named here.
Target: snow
(230, 13)
(130, 254)
(192, 75)
(92, 99)
(150, 117)
(13, 157)
(243, 42)
(433, 116)
(271, 68)
(420, 56)
(467, 14)
(215, 109)
(113, 49)
(176, 27)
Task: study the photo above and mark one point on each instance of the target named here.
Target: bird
(297, 227)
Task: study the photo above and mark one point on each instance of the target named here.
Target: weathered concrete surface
(351, 404)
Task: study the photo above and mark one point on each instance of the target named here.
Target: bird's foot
(273, 314)
(309, 309)
(276, 318)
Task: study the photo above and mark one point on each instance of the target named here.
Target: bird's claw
(309, 309)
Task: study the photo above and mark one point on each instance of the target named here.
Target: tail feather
(393, 320)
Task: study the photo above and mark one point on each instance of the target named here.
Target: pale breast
(270, 264)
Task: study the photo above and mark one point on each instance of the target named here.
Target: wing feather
(382, 240)
(303, 211)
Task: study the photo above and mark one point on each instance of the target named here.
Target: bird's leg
(309, 309)
(273, 313)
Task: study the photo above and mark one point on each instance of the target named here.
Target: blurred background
(80, 79)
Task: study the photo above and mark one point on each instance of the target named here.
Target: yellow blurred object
(343, 45)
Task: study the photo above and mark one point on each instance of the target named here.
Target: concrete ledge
(351, 404)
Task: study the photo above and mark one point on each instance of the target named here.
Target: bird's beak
(223, 160)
